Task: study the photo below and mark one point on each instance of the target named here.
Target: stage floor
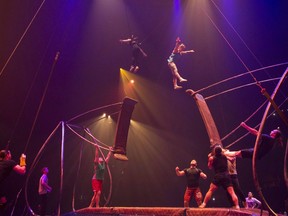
(165, 211)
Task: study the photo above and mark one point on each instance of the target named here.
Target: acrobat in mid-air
(137, 51)
(178, 50)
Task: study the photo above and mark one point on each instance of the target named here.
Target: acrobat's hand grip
(23, 160)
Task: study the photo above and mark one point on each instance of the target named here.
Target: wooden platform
(166, 211)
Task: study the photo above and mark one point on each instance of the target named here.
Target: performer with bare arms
(193, 174)
(98, 177)
(221, 178)
(177, 52)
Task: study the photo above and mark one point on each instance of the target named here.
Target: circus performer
(137, 51)
(7, 165)
(232, 169)
(267, 143)
(43, 190)
(193, 175)
(252, 202)
(178, 51)
(218, 161)
(98, 177)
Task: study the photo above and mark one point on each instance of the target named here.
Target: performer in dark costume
(267, 143)
(137, 51)
(175, 55)
(221, 178)
(7, 165)
(232, 170)
(193, 175)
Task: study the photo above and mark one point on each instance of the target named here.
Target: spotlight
(132, 81)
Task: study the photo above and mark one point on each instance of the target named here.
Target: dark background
(37, 92)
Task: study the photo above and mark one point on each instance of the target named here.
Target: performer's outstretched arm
(186, 51)
(178, 172)
(251, 130)
(128, 40)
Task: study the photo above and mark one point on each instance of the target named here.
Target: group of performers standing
(223, 162)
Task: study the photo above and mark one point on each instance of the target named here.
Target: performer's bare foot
(203, 205)
(183, 80)
(136, 69)
(131, 68)
(177, 87)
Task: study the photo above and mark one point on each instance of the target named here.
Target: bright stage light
(132, 81)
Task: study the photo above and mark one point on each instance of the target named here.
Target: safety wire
(245, 44)
(21, 38)
(248, 70)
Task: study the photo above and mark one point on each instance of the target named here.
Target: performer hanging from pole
(98, 177)
(267, 143)
(137, 51)
(175, 55)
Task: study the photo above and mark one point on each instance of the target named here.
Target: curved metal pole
(78, 170)
(286, 166)
(61, 168)
(94, 110)
(255, 177)
(69, 126)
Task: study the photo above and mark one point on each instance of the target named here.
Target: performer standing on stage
(43, 190)
(7, 165)
(193, 175)
(137, 51)
(234, 179)
(218, 161)
(175, 55)
(98, 177)
(252, 202)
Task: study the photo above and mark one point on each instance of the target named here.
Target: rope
(21, 38)
(257, 83)
(27, 95)
(227, 41)
(247, 119)
(42, 99)
(245, 44)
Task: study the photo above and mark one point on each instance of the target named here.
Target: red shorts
(195, 192)
(97, 185)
